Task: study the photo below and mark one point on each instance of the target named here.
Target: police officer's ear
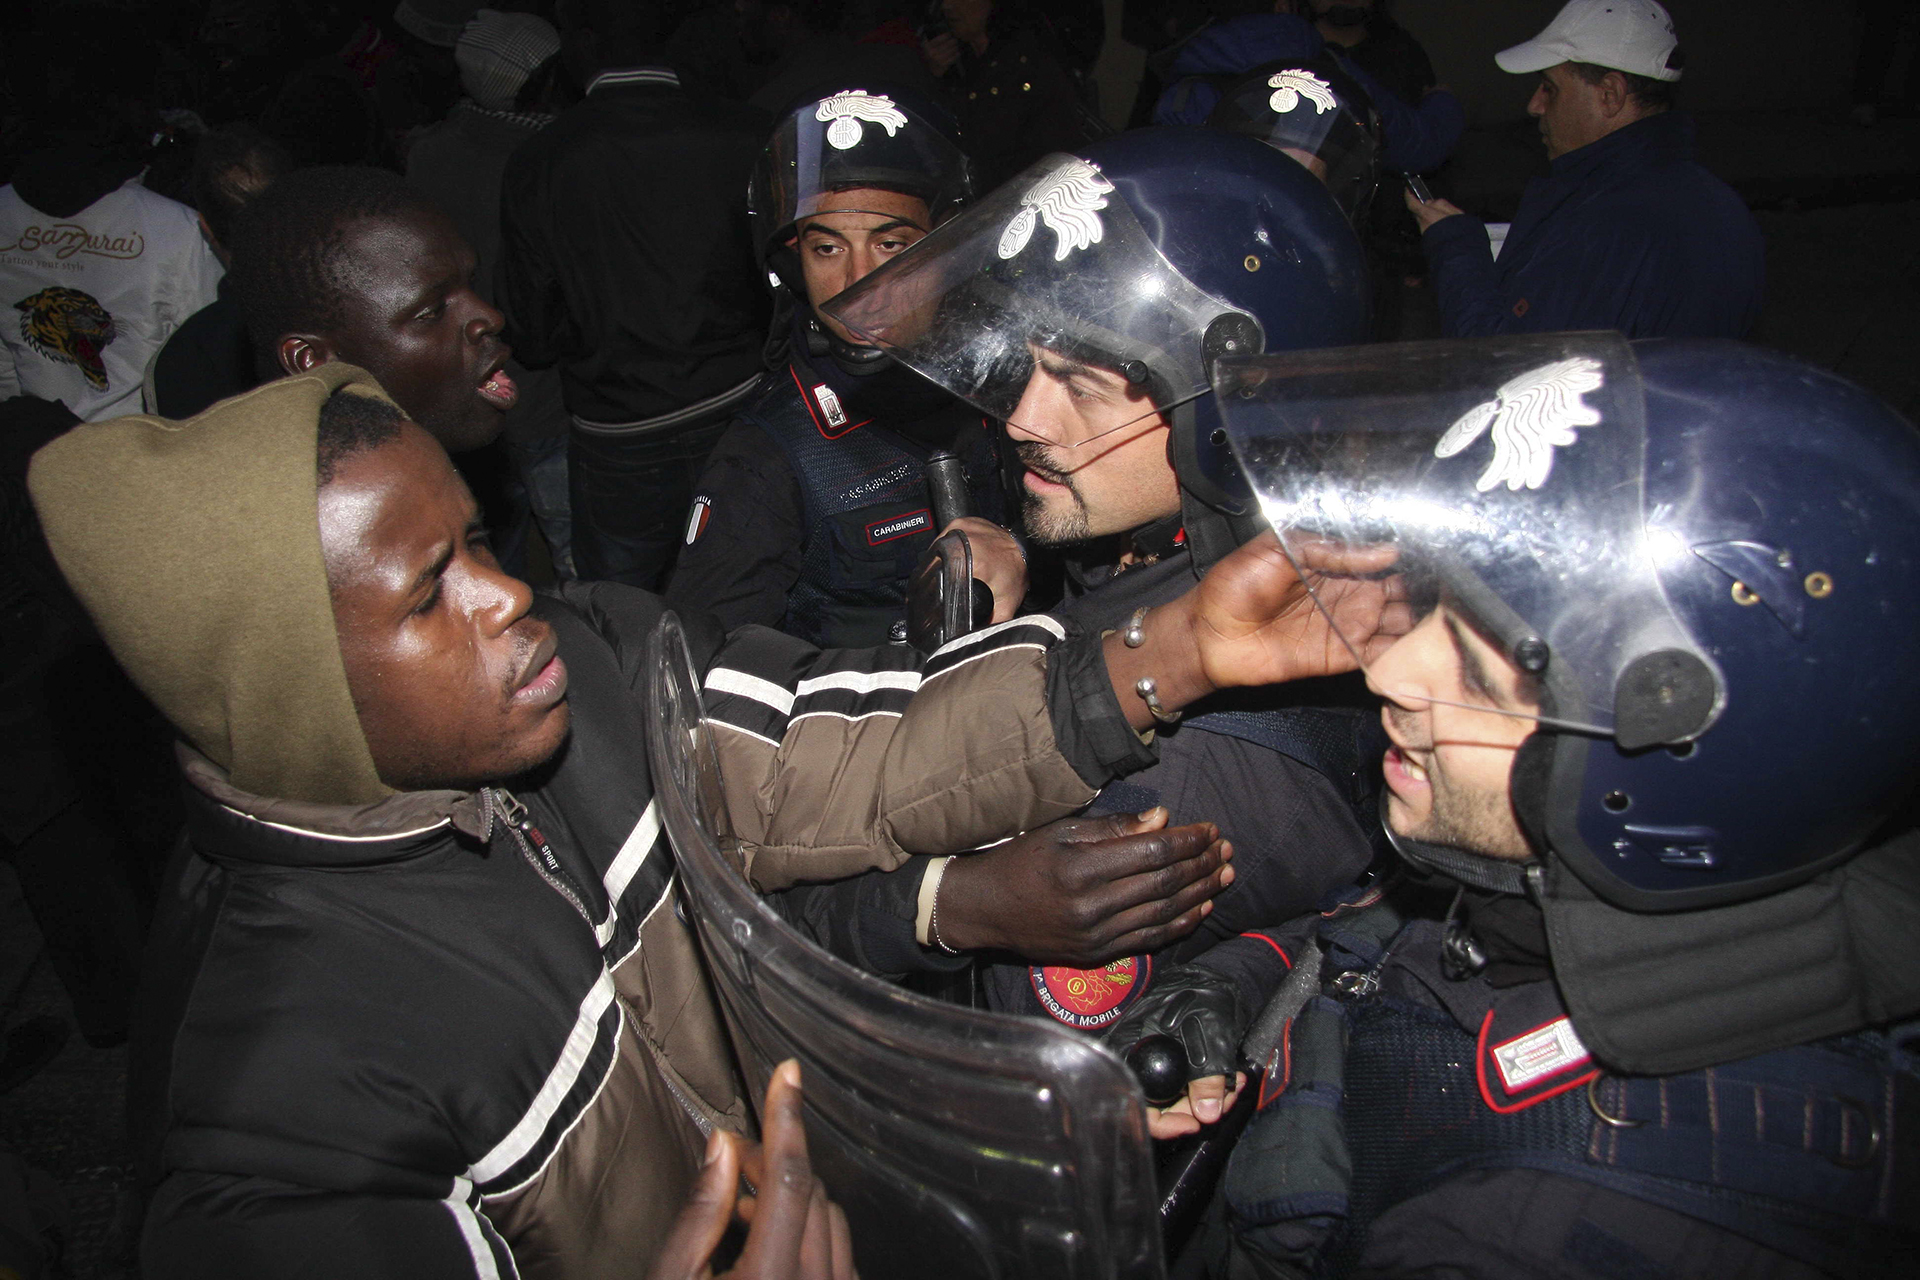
(299, 352)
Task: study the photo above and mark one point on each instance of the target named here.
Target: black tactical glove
(1197, 1007)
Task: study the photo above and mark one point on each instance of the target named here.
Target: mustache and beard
(1475, 820)
(1046, 523)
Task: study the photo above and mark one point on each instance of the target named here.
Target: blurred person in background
(1011, 83)
(626, 262)
(210, 356)
(1627, 231)
(511, 70)
(96, 271)
(807, 45)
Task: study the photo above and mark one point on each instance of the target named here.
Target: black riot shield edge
(960, 1143)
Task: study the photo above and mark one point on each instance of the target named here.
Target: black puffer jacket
(467, 1034)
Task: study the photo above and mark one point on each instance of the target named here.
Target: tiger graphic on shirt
(70, 327)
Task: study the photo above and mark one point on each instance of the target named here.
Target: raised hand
(1256, 622)
(1253, 621)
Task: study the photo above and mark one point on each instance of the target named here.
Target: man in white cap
(1627, 232)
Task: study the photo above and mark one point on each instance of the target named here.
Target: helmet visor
(1505, 476)
(853, 140)
(1310, 111)
(1050, 283)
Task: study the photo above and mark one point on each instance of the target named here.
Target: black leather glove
(1197, 1007)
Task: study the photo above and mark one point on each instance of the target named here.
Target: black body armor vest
(868, 516)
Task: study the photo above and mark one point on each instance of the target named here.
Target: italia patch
(1540, 1053)
(1089, 998)
(895, 527)
(698, 517)
(830, 405)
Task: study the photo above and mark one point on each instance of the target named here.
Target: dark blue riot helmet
(1154, 253)
(1314, 111)
(885, 137)
(839, 139)
(1703, 554)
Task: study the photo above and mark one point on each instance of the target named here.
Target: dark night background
(1807, 109)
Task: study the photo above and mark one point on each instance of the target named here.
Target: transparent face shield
(1504, 477)
(1047, 305)
(852, 140)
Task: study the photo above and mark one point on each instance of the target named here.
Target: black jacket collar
(235, 826)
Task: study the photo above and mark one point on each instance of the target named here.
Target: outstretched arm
(1252, 621)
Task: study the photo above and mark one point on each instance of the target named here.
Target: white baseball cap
(1635, 36)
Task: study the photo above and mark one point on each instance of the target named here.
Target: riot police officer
(1634, 1009)
(1084, 304)
(814, 509)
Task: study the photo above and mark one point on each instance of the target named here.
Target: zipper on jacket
(537, 852)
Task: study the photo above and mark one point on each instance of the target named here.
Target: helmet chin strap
(1492, 874)
(853, 359)
(1214, 525)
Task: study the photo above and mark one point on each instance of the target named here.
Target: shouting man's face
(1457, 711)
(410, 317)
(1094, 449)
(456, 684)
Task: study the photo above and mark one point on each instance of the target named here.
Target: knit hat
(1635, 36)
(195, 546)
(498, 51)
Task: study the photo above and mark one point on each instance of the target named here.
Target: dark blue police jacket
(1626, 233)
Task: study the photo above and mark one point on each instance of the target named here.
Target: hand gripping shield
(960, 1143)
(1507, 475)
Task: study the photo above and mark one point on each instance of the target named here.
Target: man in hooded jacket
(414, 1004)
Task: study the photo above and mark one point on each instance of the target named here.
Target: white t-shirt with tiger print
(86, 301)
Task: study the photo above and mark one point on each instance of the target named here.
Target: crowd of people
(1542, 688)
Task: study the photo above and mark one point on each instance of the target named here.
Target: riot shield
(960, 1143)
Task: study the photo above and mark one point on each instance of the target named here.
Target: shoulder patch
(1544, 1051)
(1090, 998)
(830, 405)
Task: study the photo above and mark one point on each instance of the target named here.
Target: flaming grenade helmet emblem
(1530, 416)
(846, 109)
(1067, 201)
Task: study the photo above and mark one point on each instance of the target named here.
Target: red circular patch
(1088, 998)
